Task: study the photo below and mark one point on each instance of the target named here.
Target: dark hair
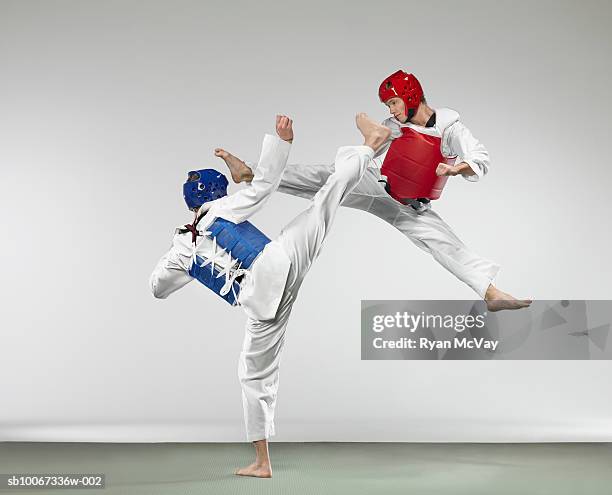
(423, 100)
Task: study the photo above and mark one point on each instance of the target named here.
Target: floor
(322, 468)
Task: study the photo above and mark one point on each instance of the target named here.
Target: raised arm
(241, 205)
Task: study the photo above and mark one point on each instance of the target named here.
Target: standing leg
(259, 377)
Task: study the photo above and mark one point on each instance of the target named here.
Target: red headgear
(405, 86)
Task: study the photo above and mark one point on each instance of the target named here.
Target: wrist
(463, 168)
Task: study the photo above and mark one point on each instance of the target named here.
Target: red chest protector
(410, 166)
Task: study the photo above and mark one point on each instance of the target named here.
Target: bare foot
(498, 300)
(374, 134)
(256, 470)
(240, 171)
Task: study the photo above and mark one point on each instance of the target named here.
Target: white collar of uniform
(430, 131)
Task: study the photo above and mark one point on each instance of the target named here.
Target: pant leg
(304, 180)
(429, 232)
(433, 235)
(258, 367)
(303, 238)
(258, 370)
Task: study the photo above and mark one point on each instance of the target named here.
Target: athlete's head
(203, 186)
(403, 94)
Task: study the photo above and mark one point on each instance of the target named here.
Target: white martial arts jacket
(457, 141)
(263, 283)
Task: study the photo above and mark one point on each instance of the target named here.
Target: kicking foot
(256, 470)
(498, 300)
(240, 171)
(374, 134)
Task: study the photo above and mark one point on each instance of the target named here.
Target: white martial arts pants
(425, 229)
(258, 367)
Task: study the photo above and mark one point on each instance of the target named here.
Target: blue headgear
(203, 186)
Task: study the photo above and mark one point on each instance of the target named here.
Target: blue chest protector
(243, 241)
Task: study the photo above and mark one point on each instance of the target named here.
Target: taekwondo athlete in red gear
(239, 264)
(424, 136)
(411, 160)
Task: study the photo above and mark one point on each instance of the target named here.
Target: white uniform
(270, 287)
(424, 228)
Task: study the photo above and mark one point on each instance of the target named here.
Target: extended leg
(297, 180)
(304, 236)
(429, 232)
(302, 240)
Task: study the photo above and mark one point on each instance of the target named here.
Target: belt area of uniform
(415, 203)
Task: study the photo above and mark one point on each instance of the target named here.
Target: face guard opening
(405, 86)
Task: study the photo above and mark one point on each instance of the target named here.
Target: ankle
(373, 143)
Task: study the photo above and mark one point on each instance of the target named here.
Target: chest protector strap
(212, 278)
(410, 166)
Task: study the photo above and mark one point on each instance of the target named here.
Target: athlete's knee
(348, 165)
(347, 157)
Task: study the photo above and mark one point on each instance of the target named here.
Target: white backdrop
(104, 107)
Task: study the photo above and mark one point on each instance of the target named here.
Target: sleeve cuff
(477, 171)
(284, 145)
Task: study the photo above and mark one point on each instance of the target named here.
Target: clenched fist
(284, 128)
(446, 169)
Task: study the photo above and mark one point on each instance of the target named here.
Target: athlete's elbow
(156, 290)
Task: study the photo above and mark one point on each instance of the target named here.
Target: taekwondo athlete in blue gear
(263, 276)
(242, 241)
